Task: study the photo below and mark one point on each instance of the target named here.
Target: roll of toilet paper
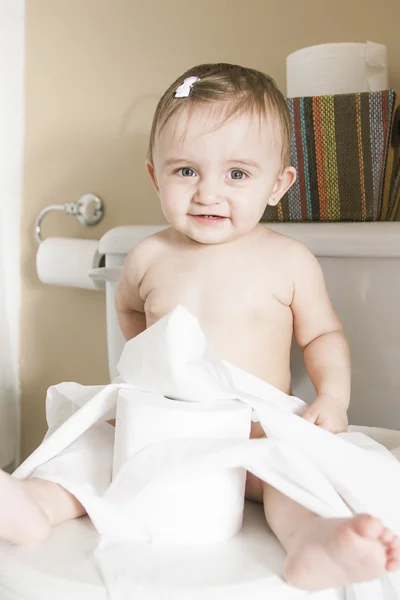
(341, 68)
(68, 261)
(155, 436)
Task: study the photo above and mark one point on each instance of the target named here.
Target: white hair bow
(183, 90)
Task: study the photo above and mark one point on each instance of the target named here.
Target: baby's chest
(216, 295)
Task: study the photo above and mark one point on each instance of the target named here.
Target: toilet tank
(361, 264)
(115, 246)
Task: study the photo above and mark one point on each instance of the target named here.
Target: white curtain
(11, 145)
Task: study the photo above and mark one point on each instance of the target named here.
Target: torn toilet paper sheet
(168, 374)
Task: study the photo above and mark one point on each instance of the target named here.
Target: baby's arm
(128, 303)
(319, 334)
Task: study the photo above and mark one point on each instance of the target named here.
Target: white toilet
(361, 262)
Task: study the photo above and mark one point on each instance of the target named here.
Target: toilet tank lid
(121, 240)
(374, 240)
(346, 240)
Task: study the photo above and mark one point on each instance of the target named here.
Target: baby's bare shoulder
(142, 256)
(296, 263)
(137, 264)
(288, 249)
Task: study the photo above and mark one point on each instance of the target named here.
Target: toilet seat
(63, 567)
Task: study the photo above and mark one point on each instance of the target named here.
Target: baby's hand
(327, 412)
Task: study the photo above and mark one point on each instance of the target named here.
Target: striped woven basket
(346, 149)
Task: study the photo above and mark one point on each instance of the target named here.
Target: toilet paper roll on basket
(68, 262)
(341, 68)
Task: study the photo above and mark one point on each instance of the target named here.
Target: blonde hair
(245, 90)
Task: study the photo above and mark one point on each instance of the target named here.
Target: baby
(218, 155)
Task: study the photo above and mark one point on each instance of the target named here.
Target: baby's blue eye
(187, 172)
(237, 174)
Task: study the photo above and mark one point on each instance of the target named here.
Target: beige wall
(94, 71)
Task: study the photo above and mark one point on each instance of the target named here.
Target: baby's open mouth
(207, 220)
(209, 216)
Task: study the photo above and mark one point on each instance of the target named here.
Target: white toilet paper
(68, 261)
(336, 69)
(305, 462)
(206, 507)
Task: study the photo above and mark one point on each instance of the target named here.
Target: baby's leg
(28, 509)
(324, 553)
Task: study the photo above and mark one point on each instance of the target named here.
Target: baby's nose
(207, 194)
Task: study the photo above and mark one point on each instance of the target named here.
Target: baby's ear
(283, 182)
(152, 172)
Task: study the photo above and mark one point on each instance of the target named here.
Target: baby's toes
(368, 527)
(387, 537)
(394, 545)
(392, 564)
(393, 555)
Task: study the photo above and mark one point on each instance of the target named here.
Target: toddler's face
(215, 182)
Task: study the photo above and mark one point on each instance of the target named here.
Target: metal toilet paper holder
(88, 209)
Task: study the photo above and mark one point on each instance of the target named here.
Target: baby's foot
(337, 552)
(22, 518)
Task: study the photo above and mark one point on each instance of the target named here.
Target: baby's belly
(261, 350)
(259, 346)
